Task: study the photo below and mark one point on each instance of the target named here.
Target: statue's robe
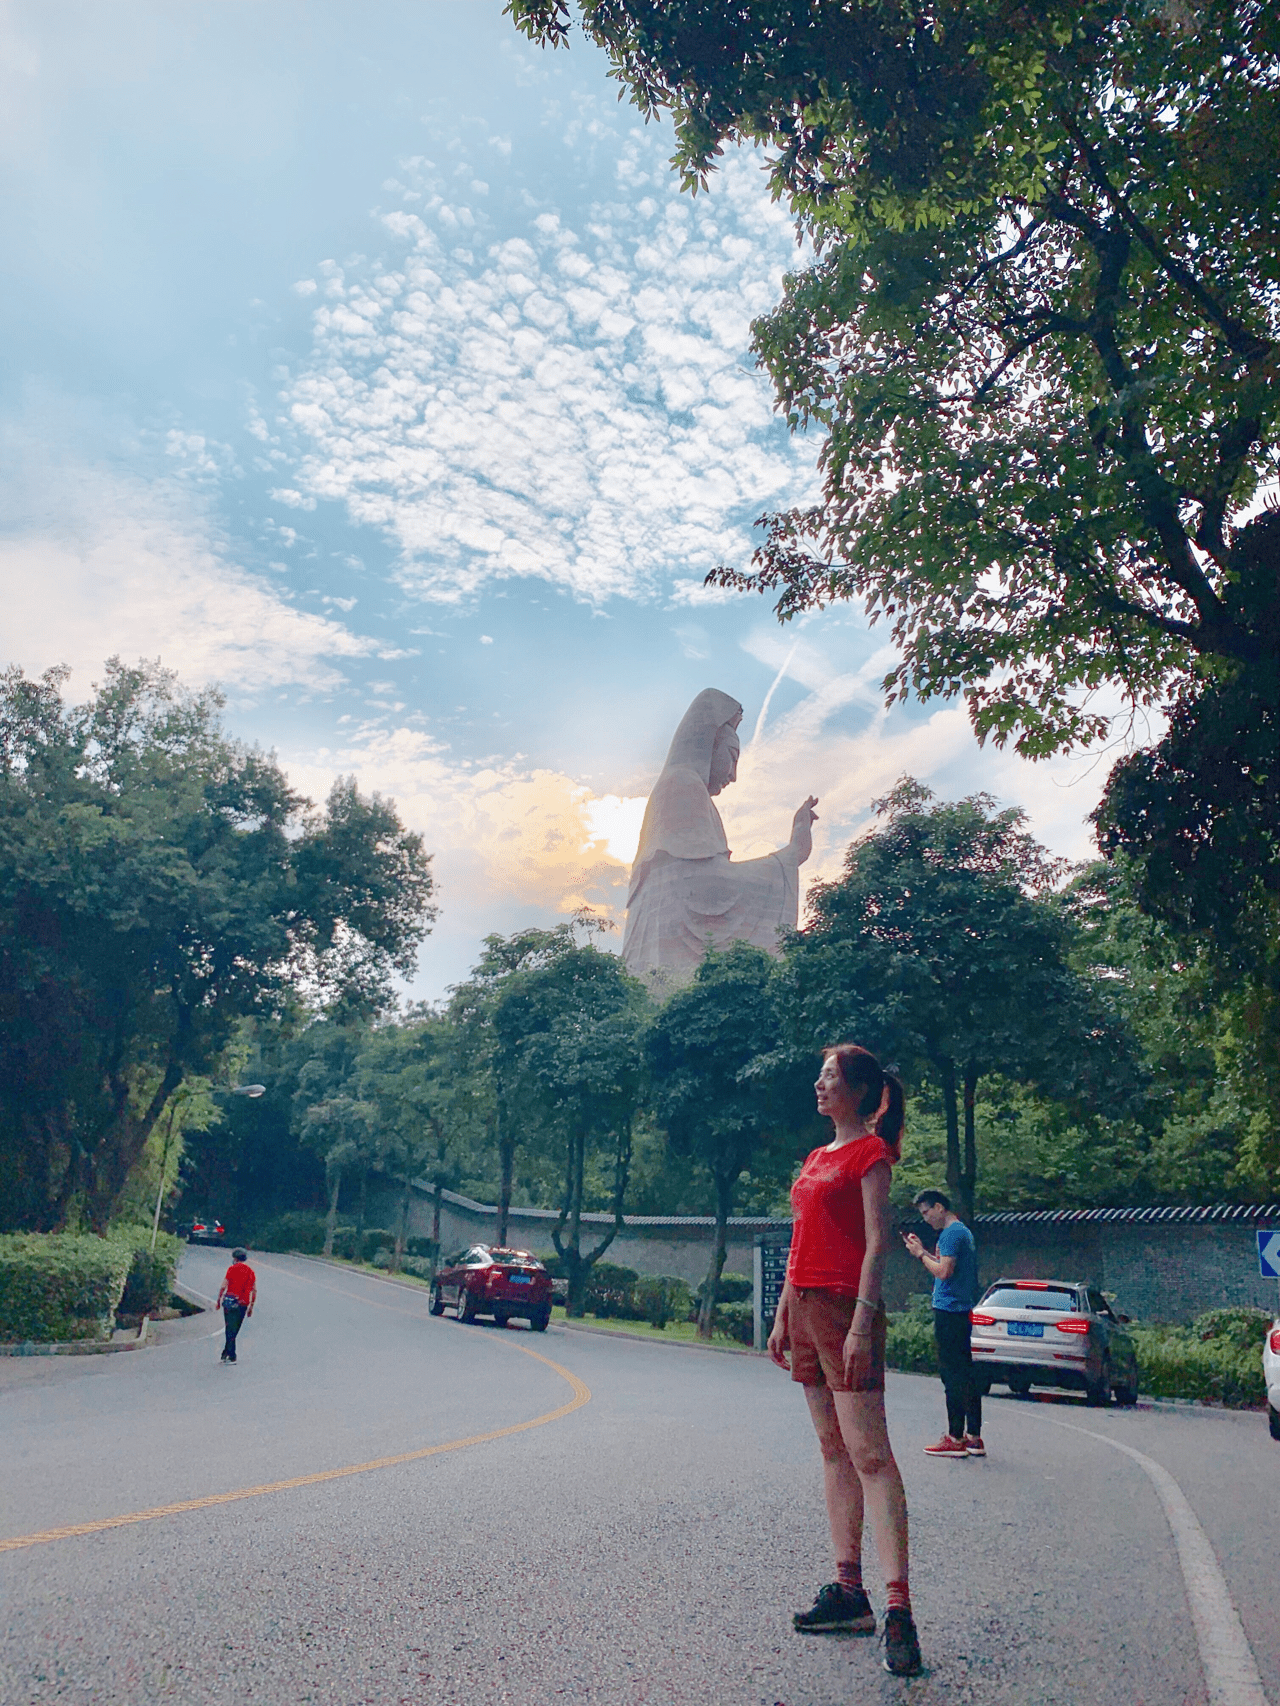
(685, 887)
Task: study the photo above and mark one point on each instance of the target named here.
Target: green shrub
(1244, 1329)
(152, 1273)
(345, 1243)
(610, 1293)
(424, 1247)
(733, 1288)
(736, 1321)
(61, 1286)
(661, 1298)
(419, 1266)
(1178, 1362)
(375, 1238)
(911, 1345)
(299, 1231)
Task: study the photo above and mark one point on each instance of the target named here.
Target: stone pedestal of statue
(686, 889)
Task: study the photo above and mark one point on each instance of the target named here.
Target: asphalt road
(646, 1546)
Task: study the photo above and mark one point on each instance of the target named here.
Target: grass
(681, 1332)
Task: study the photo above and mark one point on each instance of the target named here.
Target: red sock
(899, 1595)
(849, 1574)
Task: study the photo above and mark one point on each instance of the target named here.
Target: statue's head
(707, 741)
(724, 759)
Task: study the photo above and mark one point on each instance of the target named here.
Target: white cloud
(126, 566)
(567, 403)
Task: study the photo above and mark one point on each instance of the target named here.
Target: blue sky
(367, 361)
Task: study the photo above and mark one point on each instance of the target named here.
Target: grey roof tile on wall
(1245, 1213)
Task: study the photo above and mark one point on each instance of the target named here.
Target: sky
(368, 363)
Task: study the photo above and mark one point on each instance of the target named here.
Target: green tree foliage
(158, 884)
(411, 1074)
(940, 949)
(1210, 1038)
(719, 1089)
(1038, 338)
(1038, 334)
(568, 1027)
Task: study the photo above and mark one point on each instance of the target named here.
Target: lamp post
(251, 1090)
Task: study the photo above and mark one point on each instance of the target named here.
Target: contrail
(764, 709)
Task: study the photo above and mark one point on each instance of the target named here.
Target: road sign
(1269, 1254)
(772, 1250)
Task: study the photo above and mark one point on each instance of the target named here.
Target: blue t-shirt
(959, 1291)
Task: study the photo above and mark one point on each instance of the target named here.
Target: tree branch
(1243, 342)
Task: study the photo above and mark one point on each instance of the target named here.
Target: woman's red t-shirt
(829, 1234)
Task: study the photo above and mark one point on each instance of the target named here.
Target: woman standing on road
(832, 1322)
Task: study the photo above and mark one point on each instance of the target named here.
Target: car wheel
(1274, 1417)
(437, 1301)
(541, 1318)
(1097, 1394)
(1019, 1385)
(466, 1306)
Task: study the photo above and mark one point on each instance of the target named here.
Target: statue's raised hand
(802, 828)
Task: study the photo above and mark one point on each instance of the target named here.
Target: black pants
(951, 1329)
(233, 1314)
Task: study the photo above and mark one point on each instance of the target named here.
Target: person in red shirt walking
(832, 1323)
(236, 1299)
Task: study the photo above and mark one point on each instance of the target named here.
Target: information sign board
(771, 1252)
(1269, 1254)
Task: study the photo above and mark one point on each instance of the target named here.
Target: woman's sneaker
(973, 1445)
(901, 1644)
(837, 1609)
(947, 1447)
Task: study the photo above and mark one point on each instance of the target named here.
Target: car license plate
(1026, 1329)
(521, 1279)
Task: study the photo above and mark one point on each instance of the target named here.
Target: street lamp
(253, 1091)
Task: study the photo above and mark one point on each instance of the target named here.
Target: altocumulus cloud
(576, 406)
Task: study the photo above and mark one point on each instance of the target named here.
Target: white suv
(1271, 1374)
(1053, 1333)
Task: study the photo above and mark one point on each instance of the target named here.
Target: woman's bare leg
(865, 1434)
(839, 1478)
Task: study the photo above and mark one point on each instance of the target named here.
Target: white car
(1271, 1374)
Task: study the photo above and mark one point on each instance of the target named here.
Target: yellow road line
(581, 1395)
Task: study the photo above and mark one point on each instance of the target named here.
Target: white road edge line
(1230, 1671)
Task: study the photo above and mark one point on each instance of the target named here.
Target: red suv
(488, 1279)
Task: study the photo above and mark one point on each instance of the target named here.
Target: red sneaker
(947, 1447)
(973, 1446)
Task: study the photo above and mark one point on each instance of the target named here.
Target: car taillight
(1275, 1340)
(1076, 1326)
(981, 1320)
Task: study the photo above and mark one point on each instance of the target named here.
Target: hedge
(300, 1231)
(1218, 1357)
(56, 1287)
(152, 1273)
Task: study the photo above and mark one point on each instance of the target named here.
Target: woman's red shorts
(818, 1322)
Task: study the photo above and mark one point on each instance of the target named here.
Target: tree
(568, 1026)
(1038, 335)
(484, 1053)
(158, 884)
(717, 1089)
(939, 949)
(410, 1073)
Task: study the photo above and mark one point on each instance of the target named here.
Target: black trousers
(952, 1329)
(233, 1314)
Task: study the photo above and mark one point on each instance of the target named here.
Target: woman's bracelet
(867, 1301)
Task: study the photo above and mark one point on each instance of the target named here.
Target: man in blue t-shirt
(954, 1266)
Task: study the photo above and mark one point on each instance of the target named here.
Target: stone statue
(685, 888)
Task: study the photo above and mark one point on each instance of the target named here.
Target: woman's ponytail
(861, 1071)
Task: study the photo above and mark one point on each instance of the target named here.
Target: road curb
(79, 1347)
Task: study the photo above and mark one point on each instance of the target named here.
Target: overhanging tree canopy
(1039, 334)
